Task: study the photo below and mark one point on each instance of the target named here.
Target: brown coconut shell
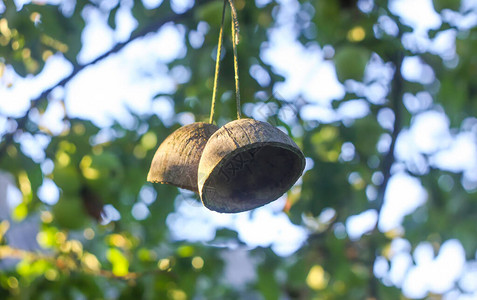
(247, 164)
(176, 161)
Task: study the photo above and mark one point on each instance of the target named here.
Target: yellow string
(234, 46)
(217, 66)
(235, 22)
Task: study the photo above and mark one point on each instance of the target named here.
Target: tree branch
(22, 121)
(7, 252)
(14, 253)
(388, 160)
(396, 106)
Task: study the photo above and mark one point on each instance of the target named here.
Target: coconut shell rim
(189, 188)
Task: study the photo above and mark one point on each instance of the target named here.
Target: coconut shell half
(176, 161)
(247, 164)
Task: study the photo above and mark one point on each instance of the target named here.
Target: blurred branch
(9, 252)
(21, 122)
(69, 263)
(396, 106)
(135, 275)
(388, 161)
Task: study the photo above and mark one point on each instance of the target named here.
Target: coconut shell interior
(247, 164)
(176, 161)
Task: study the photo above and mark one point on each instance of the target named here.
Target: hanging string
(217, 65)
(235, 31)
(235, 22)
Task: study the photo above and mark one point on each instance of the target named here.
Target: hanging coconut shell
(177, 159)
(247, 164)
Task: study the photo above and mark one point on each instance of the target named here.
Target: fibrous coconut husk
(177, 159)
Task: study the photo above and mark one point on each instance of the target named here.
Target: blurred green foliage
(128, 258)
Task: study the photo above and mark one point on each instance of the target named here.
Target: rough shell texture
(177, 159)
(247, 164)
